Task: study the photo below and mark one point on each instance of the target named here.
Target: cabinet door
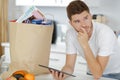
(62, 3)
(36, 2)
(44, 2)
(92, 3)
(24, 2)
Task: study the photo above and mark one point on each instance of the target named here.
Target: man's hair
(76, 7)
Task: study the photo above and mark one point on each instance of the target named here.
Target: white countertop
(79, 77)
(57, 61)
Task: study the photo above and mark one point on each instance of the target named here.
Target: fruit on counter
(29, 76)
(21, 75)
(18, 76)
(21, 78)
(22, 72)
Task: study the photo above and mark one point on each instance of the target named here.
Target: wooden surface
(3, 22)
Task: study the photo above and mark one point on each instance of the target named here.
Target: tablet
(57, 70)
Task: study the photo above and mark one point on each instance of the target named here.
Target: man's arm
(96, 65)
(68, 67)
(70, 63)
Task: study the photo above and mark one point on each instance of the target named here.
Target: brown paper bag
(29, 46)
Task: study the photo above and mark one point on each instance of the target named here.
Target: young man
(95, 42)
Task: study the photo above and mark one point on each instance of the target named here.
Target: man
(94, 41)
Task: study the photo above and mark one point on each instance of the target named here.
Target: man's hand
(83, 37)
(57, 75)
(68, 67)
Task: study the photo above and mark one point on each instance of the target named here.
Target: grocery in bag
(30, 44)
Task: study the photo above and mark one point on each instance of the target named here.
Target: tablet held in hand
(57, 70)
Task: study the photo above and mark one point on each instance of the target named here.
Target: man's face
(82, 20)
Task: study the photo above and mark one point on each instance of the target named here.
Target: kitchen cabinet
(42, 2)
(92, 3)
(57, 3)
(35, 2)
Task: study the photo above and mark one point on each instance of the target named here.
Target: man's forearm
(68, 70)
(92, 62)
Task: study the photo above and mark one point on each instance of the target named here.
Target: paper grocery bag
(29, 46)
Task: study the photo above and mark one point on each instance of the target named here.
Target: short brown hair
(76, 7)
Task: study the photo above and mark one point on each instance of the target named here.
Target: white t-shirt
(103, 42)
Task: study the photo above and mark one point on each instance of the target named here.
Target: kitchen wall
(109, 8)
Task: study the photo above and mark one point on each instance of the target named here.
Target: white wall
(109, 8)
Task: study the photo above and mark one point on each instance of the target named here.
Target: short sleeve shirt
(103, 42)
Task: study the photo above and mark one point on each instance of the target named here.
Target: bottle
(4, 67)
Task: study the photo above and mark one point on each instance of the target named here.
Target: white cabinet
(44, 2)
(36, 2)
(92, 3)
(58, 3)
(63, 3)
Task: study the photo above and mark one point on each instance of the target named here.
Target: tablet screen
(57, 70)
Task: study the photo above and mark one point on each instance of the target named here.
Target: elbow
(97, 75)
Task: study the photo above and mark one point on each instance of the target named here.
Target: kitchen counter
(58, 60)
(79, 77)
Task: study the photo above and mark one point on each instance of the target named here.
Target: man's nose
(83, 24)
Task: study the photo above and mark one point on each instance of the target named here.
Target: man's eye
(86, 18)
(77, 21)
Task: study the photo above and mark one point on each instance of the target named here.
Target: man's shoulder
(71, 32)
(99, 24)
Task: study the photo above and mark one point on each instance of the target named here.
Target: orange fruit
(22, 72)
(29, 76)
